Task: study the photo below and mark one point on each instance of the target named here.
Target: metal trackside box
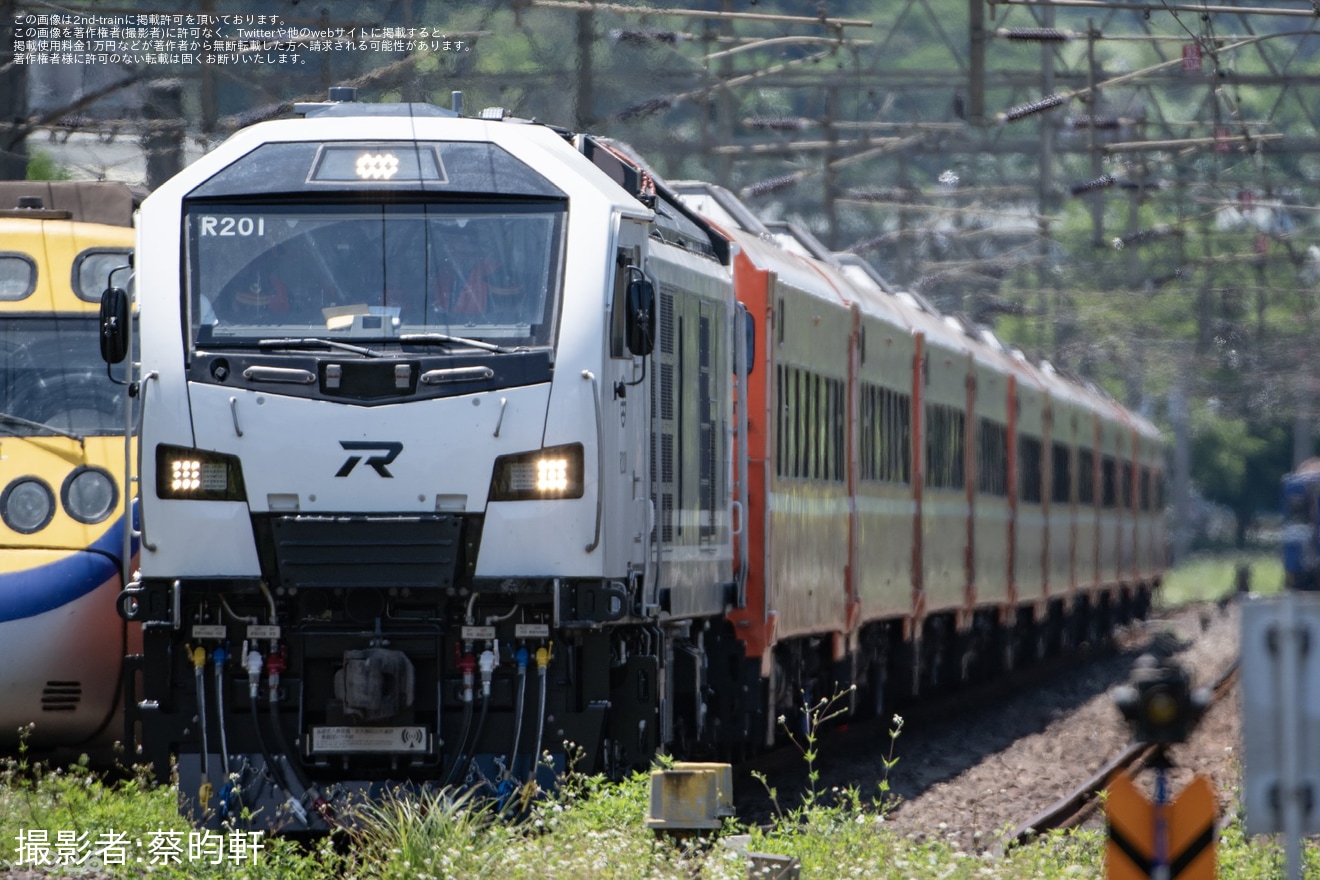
(1280, 687)
(690, 797)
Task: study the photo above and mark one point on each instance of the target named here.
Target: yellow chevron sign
(1188, 826)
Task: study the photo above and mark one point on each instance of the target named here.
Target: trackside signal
(1164, 840)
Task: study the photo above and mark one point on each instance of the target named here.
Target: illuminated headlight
(89, 495)
(377, 166)
(197, 474)
(545, 473)
(27, 505)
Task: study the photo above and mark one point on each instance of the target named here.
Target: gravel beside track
(971, 777)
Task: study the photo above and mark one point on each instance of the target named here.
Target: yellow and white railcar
(62, 460)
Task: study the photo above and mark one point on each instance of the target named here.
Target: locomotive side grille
(357, 551)
(61, 696)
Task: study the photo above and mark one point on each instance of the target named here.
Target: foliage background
(1182, 281)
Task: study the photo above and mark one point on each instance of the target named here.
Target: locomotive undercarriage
(303, 696)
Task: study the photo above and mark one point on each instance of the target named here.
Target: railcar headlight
(27, 505)
(198, 474)
(545, 473)
(89, 495)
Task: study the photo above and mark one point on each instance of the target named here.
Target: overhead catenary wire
(1050, 101)
(701, 13)
(1295, 12)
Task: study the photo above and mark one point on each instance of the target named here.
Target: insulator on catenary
(880, 195)
(1034, 107)
(1035, 35)
(774, 184)
(1101, 182)
(1144, 236)
(641, 38)
(779, 123)
(1099, 123)
(645, 108)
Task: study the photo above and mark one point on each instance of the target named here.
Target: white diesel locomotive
(464, 438)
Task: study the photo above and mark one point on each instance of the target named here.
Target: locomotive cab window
(374, 270)
(51, 375)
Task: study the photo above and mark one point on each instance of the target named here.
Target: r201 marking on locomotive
(391, 448)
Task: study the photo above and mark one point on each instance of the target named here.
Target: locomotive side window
(92, 268)
(18, 276)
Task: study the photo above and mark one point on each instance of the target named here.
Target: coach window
(1125, 487)
(946, 447)
(992, 458)
(1108, 482)
(1062, 493)
(1085, 477)
(1029, 455)
(1145, 488)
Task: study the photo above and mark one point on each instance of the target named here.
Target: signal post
(1164, 839)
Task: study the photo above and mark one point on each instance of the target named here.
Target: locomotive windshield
(373, 271)
(52, 377)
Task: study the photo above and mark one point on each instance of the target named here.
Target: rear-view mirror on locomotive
(641, 316)
(114, 325)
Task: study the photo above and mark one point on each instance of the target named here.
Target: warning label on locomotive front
(209, 631)
(343, 740)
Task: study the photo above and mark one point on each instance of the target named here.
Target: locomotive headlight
(89, 495)
(545, 473)
(27, 505)
(198, 474)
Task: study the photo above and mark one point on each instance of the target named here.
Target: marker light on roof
(377, 166)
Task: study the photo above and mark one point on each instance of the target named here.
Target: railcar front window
(51, 374)
(373, 271)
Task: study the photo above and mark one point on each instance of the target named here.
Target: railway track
(853, 743)
(1074, 808)
(979, 761)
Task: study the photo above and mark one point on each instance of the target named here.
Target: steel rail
(1073, 808)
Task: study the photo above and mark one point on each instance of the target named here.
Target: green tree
(1239, 464)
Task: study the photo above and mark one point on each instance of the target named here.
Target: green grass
(1207, 577)
(590, 829)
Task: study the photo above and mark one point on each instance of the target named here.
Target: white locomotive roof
(539, 147)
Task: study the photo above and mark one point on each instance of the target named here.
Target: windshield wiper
(446, 339)
(313, 342)
(41, 426)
